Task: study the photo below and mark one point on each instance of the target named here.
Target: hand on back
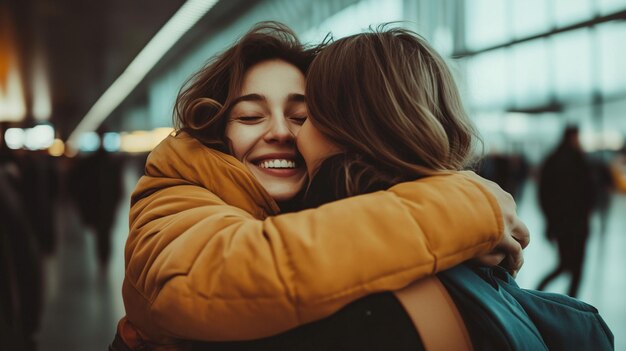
(508, 252)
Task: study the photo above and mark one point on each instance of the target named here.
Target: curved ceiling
(80, 47)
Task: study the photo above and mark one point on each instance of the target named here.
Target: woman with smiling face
(210, 258)
(263, 123)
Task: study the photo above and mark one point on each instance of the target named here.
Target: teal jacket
(502, 316)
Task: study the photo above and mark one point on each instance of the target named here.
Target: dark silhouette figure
(21, 287)
(508, 171)
(566, 195)
(39, 190)
(96, 185)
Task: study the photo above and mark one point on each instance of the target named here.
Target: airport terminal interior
(87, 89)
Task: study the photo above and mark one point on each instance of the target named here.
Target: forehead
(273, 78)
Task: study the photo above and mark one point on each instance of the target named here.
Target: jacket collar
(182, 160)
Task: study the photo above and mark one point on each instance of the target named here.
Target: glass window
(611, 57)
(486, 23)
(161, 97)
(488, 79)
(572, 55)
(568, 12)
(547, 129)
(517, 125)
(355, 19)
(531, 74)
(530, 17)
(613, 114)
(135, 118)
(609, 6)
(489, 125)
(535, 134)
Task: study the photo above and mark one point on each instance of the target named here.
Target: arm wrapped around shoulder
(198, 268)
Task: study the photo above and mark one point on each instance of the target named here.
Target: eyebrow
(295, 98)
(261, 98)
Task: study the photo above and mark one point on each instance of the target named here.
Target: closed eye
(298, 119)
(249, 119)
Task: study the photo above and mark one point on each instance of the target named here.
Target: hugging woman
(209, 257)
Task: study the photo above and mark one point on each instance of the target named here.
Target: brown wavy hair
(390, 101)
(204, 101)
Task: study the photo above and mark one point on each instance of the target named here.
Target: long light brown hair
(389, 100)
(203, 104)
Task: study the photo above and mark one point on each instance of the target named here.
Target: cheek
(295, 129)
(240, 140)
(303, 142)
(314, 146)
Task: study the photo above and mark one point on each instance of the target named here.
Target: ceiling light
(89, 142)
(188, 15)
(39, 137)
(12, 106)
(42, 105)
(143, 141)
(111, 142)
(57, 148)
(14, 138)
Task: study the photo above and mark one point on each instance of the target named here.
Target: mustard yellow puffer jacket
(205, 261)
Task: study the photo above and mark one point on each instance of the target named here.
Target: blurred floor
(83, 304)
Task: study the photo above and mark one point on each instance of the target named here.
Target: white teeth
(277, 164)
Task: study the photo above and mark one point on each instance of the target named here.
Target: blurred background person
(95, 182)
(21, 292)
(566, 194)
(510, 171)
(39, 190)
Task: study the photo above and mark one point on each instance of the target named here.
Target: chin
(285, 192)
(282, 196)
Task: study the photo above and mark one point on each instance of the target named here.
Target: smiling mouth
(277, 164)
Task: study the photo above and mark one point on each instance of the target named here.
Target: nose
(280, 131)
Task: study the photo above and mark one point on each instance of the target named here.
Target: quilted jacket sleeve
(200, 269)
